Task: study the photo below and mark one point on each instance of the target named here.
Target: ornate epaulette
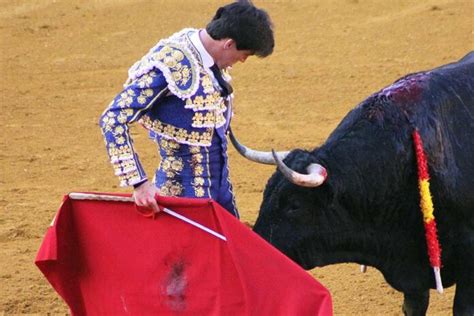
(175, 60)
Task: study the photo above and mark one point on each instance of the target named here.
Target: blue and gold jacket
(173, 95)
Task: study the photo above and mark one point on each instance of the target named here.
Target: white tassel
(439, 284)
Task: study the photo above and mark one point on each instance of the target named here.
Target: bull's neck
(399, 255)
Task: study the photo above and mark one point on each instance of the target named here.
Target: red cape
(104, 258)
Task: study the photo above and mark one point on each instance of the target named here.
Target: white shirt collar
(207, 60)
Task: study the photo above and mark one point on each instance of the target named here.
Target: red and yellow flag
(426, 204)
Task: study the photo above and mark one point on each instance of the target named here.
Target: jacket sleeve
(127, 107)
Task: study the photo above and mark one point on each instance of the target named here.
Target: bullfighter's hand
(144, 196)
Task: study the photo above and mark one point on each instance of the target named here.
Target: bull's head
(287, 218)
(291, 215)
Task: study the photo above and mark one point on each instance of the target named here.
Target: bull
(356, 199)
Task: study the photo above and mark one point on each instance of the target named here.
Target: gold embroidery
(127, 112)
(119, 153)
(128, 165)
(181, 135)
(198, 170)
(194, 149)
(177, 165)
(178, 134)
(219, 120)
(172, 166)
(213, 99)
(198, 119)
(172, 58)
(126, 98)
(178, 55)
(130, 178)
(199, 191)
(141, 100)
(185, 73)
(199, 181)
(189, 103)
(169, 130)
(122, 118)
(146, 80)
(199, 102)
(171, 188)
(169, 145)
(208, 102)
(170, 62)
(209, 119)
(120, 140)
(176, 76)
(123, 163)
(108, 121)
(119, 130)
(196, 158)
(207, 85)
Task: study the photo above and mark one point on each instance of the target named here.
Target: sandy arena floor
(63, 61)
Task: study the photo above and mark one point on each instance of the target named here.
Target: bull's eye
(296, 210)
(292, 213)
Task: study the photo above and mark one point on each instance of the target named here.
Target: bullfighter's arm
(127, 107)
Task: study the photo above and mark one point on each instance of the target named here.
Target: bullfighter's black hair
(250, 27)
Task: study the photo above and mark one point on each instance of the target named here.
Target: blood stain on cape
(174, 287)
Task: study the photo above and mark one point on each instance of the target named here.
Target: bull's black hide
(367, 211)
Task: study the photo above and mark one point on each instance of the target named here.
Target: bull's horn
(315, 177)
(254, 155)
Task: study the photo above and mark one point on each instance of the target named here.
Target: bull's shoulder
(469, 58)
(463, 67)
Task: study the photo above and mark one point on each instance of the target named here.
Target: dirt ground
(63, 61)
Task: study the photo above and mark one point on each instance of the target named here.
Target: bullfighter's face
(230, 55)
